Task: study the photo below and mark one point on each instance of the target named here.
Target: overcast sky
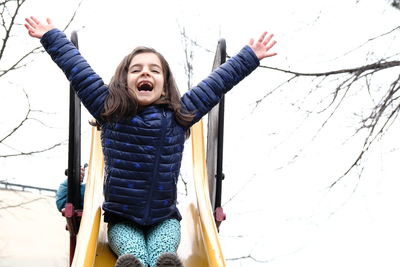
(283, 214)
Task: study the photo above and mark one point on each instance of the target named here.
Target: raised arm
(89, 86)
(203, 97)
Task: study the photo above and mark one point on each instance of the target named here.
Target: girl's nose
(145, 72)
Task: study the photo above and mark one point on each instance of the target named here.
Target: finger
(28, 27)
(49, 21)
(261, 39)
(251, 42)
(30, 22)
(35, 20)
(270, 45)
(268, 39)
(271, 54)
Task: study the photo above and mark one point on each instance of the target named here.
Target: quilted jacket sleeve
(203, 97)
(89, 86)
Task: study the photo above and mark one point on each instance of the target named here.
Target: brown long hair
(121, 103)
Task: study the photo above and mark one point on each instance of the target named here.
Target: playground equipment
(215, 144)
(201, 215)
(73, 208)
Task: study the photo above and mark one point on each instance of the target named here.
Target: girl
(144, 123)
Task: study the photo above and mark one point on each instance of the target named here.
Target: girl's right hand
(263, 45)
(36, 28)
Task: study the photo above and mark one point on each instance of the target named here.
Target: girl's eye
(156, 71)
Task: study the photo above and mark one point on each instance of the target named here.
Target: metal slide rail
(73, 208)
(215, 143)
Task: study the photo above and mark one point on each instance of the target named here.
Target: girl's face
(146, 78)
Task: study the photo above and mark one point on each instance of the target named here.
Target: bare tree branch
(251, 257)
(375, 117)
(8, 28)
(10, 25)
(188, 65)
(372, 39)
(73, 16)
(21, 122)
(240, 190)
(185, 183)
(187, 40)
(395, 3)
(272, 91)
(30, 153)
(9, 11)
(6, 1)
(247, 257)
(382, 115)
(16, 128)
(17, 65)
(377, 66)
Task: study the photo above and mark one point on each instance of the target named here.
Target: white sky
(285, 215)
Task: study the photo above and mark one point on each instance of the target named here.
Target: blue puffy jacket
(143, 154)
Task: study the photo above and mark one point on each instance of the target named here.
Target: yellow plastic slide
(199, 243)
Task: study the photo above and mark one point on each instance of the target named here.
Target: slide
(199, 242)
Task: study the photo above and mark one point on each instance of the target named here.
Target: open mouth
(145, 86)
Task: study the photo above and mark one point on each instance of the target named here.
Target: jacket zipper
(156, 165)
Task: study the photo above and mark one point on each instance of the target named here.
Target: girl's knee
(125, 238)
(163, 238)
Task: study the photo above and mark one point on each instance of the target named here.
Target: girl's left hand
(263, 45)
(36, 28)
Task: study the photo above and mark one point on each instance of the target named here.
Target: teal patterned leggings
(146, 245)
